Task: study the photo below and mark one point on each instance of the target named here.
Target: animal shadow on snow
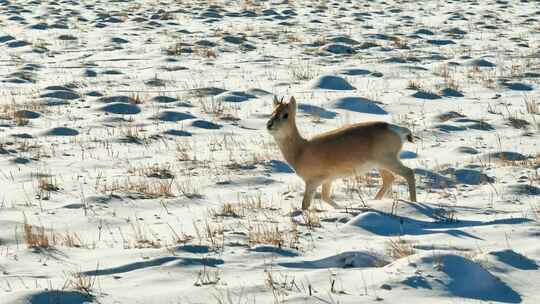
(452, 177)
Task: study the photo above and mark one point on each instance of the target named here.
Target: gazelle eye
(286, 115)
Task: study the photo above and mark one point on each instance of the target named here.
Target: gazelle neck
(290, 143)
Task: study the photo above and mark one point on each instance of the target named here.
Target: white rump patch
(400, 131)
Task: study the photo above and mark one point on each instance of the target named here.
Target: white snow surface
(135, 166)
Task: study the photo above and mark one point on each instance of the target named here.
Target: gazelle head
(282, 120)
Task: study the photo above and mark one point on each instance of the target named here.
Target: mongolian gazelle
(339, 153)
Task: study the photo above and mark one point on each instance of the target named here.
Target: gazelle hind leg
(397, 167)
(308, 195)
(387, 180)
(326, 193)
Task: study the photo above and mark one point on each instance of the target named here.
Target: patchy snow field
(135, 166)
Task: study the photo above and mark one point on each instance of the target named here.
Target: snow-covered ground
(135, 166)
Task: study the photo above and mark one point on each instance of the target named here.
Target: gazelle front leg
(395, 165)
(387, 180)
(326, 193)
(308, 194)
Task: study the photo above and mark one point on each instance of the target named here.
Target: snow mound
(348, 259)
(329, 82)
(458, 276)
(378, 223)
(358, 104)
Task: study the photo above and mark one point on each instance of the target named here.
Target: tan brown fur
(339, 153)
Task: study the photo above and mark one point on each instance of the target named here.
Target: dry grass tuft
(414, 85)
(398, 248)
(311, 219)
(136, 99)
(47, 184)
(146, 188)
(81, 282)
(230, 210)
(207, 276)
(36, 237)
(270, 234)
(531, 106)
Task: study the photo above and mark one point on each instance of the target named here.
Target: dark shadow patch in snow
(507, 156)
(276, 250)
(112, 72)
(17, 44)
(60, 297)
(208, 91)
(518, 86)
(22, 135)
(64, 95)
(348, 259)
(27, 114)
(20, 160)
(482, 63)
(118, 98)
(316, 111)
(481, 126)
(440, 42)
(211, 262)
(469, 176)
(416, 282)
(433, 179)
(426, 95)
(449, 115)
(521, 189)
(448, 92)
(450, 128)
(121, 108)
(236, 96)
(407, 155)
(94, 94)
(514, 259)
(62, 131)
(355, 72)
(198, 249)
(424, 32)
(467, 150)
(338, 49)
(74, 206)
(181, 133)
(103, 199)
(277, 166)
(163, 99)
(6, 38)
(172, 116)
(383, 224)
(203, 124)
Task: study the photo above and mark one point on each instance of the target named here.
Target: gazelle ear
(292, 102)
(276, 102)
(292, 105)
